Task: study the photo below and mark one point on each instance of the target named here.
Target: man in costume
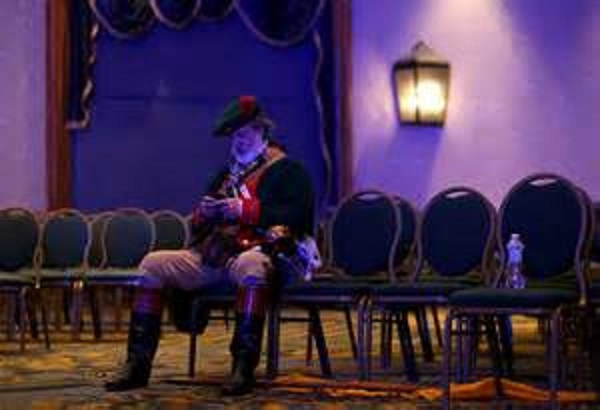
(260, 193)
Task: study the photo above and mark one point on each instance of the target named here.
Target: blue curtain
(302, 24)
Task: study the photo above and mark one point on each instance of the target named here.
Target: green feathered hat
(239, 113)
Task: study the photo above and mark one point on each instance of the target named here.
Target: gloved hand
(209, 208)
(230, 208)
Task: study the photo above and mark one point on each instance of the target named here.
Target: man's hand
(209, 207)
(230, 208)
(227, 209)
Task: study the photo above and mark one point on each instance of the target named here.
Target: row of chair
(382, 256)
(459, 263)
(67, 249)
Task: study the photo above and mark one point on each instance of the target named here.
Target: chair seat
(58, 275)
(15, 279)
(466, 280)
(418, 289)
(115, 275)
(567, 280)
(530, 298)
(333, 288)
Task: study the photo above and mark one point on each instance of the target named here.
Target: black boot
(144, 333)
(247, 339)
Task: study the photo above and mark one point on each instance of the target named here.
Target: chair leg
(361, 331)
(368, 338)
(494, 346)
(193, 339)
(408, 351)
(66, 301)
(438, 327)
(469, 346)
(32, 317)
(555, 328)
(506, 343)
(592, 341)
(39, 301)
(383, 340)
(447, 360)
(350, 328)
(473, 345)
(11, 315)
(227, 318)
(424, 335)
(320, 342)
(192, 354)
(460, 330)
(77, 292)
(390, 340)
(273, 340)
(463, 349)
(56, 308)
(96, 313)
(309, 344)
(22, 315)
(118, 309)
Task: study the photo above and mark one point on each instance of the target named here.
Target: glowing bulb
(427, 97)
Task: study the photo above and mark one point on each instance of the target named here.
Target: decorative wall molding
(58, 144)
(342, 22)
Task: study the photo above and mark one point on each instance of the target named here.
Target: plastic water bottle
(514, 249)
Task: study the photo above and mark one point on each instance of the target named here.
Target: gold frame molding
(58, 142)
(342, 28)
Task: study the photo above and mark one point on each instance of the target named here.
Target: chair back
(363, 235)
(65, 239)
(96, 253)
(595, 240)
(172, 231)
(128, 237)
(457, 232)
(19, 236)
(549, 214)
(407, 237)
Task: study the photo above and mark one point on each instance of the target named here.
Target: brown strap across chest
(250, 180)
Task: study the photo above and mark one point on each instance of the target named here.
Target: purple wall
(22, 68)
(525, 90)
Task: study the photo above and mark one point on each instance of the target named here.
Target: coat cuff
(250, 211)
(197, 217)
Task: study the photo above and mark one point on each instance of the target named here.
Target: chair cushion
(113, 275)
(465, 280)
(333, 288)
(57, 275)
(419, 289)
(513, 298)
(567, 280)
(15, 279)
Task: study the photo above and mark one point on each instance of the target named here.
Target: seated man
(259, 188)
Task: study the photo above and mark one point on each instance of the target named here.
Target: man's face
(247, 140)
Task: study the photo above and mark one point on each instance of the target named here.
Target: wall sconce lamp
(422, 81)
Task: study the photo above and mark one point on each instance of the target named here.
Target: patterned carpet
(71, 374)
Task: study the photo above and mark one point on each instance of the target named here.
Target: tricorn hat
(239, 113)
